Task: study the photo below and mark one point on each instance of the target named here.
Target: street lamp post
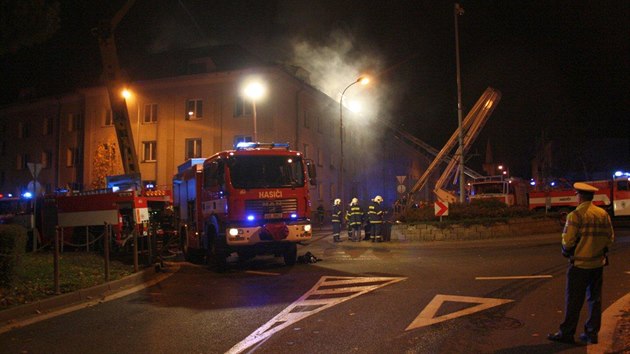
(363, 80)
(254, 91)
(462, 192)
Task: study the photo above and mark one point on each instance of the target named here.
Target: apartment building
(194, 108)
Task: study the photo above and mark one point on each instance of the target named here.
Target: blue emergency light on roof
(243, 145)
(621, 173)
(27, 195)
(293, 216)
(250, 217)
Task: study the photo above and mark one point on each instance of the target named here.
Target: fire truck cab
(511, 191)
(252, 200)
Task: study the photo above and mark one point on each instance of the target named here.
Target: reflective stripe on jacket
(336, 214)
(375, 213)
(588, 232)
(355, 215)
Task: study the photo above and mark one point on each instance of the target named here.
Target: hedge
(12, 247)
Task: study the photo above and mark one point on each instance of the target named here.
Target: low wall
(453, 232)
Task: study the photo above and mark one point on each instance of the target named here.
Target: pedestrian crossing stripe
(427, 316)
(328, 292)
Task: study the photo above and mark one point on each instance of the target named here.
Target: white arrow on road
(328, 292)
(427, 316)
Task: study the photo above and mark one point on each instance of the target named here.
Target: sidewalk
(23, 315)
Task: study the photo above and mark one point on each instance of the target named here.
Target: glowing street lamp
(125, 93)
(254, 90)
(364, 80)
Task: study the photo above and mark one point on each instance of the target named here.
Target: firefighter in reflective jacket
(586, 237)
(355, 219)
(336, 220)
(375, 217)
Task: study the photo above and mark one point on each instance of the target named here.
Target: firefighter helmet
(337, 201)
(354, 201)
(378, 199)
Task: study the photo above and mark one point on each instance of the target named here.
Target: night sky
(562, 66)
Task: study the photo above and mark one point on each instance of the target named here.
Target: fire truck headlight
(250, 218)
(233, 232)
(307, 227)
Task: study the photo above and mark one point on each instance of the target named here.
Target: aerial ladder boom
(417, 143)
(472, 124)
(114, 82)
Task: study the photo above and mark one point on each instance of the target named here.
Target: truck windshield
(248, 172)
(488, 188)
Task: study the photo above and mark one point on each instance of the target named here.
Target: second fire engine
(252, 200)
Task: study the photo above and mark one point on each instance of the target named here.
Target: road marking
(427, 316)
(260, 273)
(328, 292)
(515, 277)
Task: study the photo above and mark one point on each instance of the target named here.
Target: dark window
(193, 148)
(150, 113)
(242, 107)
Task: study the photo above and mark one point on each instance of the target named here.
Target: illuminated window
(194, 109)
(46, 159)
(193, 148)
(74, 121)
(242, 139)
(149, 149)
(150, 113)
(71, 157)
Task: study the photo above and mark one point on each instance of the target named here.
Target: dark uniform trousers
(579, 283)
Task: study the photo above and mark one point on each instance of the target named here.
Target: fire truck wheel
(290, 254)
(217, 257)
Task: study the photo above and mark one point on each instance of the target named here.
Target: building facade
(194, 115)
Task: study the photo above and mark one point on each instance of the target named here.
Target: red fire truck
(252, 200)
(146, 212)
(511, 191)
(613, 195)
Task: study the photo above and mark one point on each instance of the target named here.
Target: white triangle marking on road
(427, 316)
(356, 286)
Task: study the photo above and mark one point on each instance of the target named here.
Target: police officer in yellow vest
(587, 235)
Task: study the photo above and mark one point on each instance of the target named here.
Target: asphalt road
(448, 297)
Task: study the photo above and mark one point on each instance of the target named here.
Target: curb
(51, 304)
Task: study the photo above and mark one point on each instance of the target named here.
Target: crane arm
(115, 83)
(472, 124)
